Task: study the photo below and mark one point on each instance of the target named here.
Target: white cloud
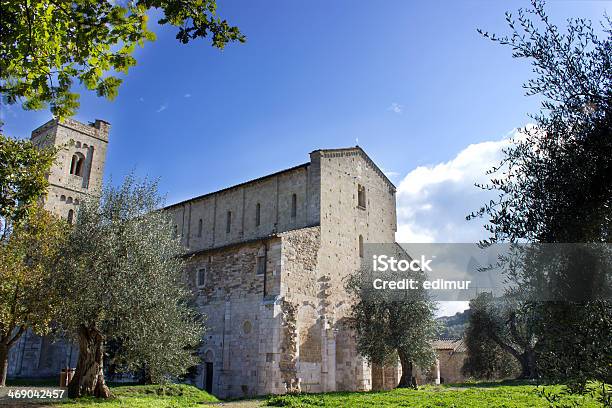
(162, 108)
(187, 95)
(433, 201)
(396, 108)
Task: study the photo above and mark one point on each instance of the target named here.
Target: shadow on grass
(33, 382)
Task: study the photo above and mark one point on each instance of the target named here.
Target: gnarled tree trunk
(88, 378)
(406, 380)
(527, 359)
(3, 364)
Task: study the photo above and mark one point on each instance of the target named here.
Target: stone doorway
(208, 373)
(208, 377)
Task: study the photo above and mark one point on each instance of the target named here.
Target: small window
(175, 231)
(261, 265)
(63, 198)
(200, 228)
(70, 217)
(361, 246)
(228, 223)
(257, 214)
(201, 277)
(293, 205)
(361, 196)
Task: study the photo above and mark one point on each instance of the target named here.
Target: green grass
(510, 396)
(147, 396)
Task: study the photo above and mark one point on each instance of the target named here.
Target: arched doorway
(208, 374)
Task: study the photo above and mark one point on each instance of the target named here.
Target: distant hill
(453, 326)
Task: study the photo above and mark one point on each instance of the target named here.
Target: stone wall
(243, 325)
(302, 287)
(386, 377)
(343, 221)
(202, 222)
(33, 356)
(67, 190)
(451, 363)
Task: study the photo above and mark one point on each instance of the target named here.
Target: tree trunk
(527, 359)
(406, 380)
(3, 364)
(528, 365)
(88, 378)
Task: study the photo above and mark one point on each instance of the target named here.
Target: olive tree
(27, 297)
(554, 182)
(391, 326)
(123, 280)
(30, 239)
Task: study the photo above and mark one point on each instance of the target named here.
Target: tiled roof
(457, 345)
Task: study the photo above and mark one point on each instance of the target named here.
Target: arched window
(361, 246)
(63, 198)
(70, 217)
(76, 165)
(200, 228)
(69, 200)
(258, 214)
(361, 196)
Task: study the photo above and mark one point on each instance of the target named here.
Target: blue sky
(427, 98)
(411, 81)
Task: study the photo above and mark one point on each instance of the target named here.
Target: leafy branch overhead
(48, 44)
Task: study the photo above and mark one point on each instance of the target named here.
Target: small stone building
(447, 369)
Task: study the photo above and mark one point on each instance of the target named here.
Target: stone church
(267, 259)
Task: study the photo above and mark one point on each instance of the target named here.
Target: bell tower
(79, 166)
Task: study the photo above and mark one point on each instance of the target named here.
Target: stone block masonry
(268, 262)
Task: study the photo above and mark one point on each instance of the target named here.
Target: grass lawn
(147, 396)
(470, 395)
(511, 395)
